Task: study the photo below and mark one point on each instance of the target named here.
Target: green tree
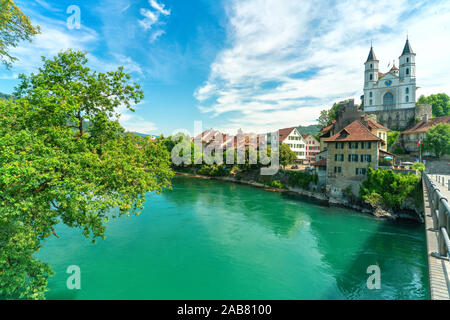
(392, 137)
(389, 188)
(286, 155)
(15, 26)
(53, 171)
(327, 116)
(440, 103)
(437, 140)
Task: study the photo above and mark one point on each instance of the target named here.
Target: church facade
(391, 96)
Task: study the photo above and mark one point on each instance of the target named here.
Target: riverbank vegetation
(53, 170)
(389, 189)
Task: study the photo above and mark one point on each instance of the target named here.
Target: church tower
(407, 62)
(372, 64)
(407, 77)
(370, 77)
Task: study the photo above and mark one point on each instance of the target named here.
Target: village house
(410, 138)
(294, 140)
(312, 147)
(351, 151)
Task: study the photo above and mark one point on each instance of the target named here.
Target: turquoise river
(208, 239)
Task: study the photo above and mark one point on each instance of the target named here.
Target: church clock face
(388, 82)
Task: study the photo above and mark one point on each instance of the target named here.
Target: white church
(391, 96)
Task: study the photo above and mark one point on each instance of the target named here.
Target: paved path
(439, 269)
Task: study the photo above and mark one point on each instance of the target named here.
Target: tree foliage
(389, 188)
(327, 116)
(286, 155)
(53, 171)
(15, 26)
(440, 103)
(392, 138)
(437, 140)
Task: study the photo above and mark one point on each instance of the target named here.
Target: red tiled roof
(375, 125)
(330, 127)
(381, 75)
(320, 163)
(423, 126)
(284, 133)
(356, 131)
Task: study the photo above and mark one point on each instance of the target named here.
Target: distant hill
(312, 129)
(4, 96)
(140, 134)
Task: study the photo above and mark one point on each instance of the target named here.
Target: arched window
(407, 60)
(371, 66)
(407, 98)
(371, 76)
(388, 99)
(407, 90)
(370, 94)
(407, 70)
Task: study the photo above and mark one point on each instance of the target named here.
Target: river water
(215, 240)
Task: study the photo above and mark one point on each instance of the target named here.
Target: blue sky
(258, 65)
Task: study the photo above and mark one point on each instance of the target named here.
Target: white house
(295, 141)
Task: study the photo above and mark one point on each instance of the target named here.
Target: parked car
(294, 166)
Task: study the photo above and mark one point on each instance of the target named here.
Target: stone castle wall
(401, 119)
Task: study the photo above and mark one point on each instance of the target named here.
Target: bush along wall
(391, 190)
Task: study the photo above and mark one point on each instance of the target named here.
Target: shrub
(301, 179)
(277, 184)
(389, 188)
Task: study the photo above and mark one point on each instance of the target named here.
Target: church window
(371, 76)
(407, 90)
(407, 60)
(370, 102)
(407, 98)
(370, 94)
(371, 66)
(407, 70)
(388, 99)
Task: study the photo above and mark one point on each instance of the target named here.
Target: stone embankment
(410, 211)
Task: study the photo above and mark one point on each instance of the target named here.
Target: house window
(337, 169)
(353, 145)
(352, 158)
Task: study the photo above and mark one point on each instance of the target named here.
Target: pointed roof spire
(371, 56)
(407, 49)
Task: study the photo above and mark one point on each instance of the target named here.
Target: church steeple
(407, 62)
(371, 56)
(407, 49)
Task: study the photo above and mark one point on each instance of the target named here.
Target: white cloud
(159, 7)
(152, 18)
(134, 122)
(287, 59)
(156, 35)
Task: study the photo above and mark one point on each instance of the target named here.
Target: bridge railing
(440, 213)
